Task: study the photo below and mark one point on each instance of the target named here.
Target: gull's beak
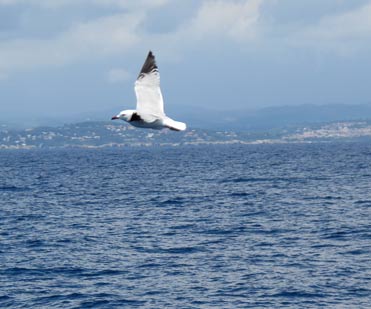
(114, 118)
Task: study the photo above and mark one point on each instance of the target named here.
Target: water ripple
(243, 226)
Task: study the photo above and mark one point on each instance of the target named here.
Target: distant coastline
(107, 134)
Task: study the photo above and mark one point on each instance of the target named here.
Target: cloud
(233, 19)
(122, 32)
(118, 75)
(343, 32)
(93, 39)
(125, 4)
(209, 21)
(54, 4)
(41, 3)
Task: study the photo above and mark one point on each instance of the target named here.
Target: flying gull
(150, 105)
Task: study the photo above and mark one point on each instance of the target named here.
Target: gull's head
(124, 115)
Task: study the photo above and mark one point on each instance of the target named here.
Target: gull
(149, 111)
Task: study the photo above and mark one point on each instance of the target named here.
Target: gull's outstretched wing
(147, 89)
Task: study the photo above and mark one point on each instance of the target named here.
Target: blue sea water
(244, 226)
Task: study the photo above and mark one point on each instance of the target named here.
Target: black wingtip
(149, 65)
(151, 56)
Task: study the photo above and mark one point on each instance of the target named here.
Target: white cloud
(100, 37)
(41, 3)
(342, 32)
(53, 4)
(234, 19)
(129, 4)
(118, 75)
(211, 21)
(106, 36)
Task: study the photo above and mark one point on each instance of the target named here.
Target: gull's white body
(150, 105)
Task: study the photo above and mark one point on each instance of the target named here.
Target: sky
(60, 58)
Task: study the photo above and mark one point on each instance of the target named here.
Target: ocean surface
(244, 226)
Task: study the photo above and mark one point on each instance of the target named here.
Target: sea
(213, 226)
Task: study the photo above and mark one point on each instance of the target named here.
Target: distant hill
(99, 134)
(272, 117)
(235, 120)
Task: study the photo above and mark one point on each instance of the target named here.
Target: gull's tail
(174, 125)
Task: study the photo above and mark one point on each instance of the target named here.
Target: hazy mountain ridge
(233, 120)
(284, 124)
(119, 134)
(276, 117)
